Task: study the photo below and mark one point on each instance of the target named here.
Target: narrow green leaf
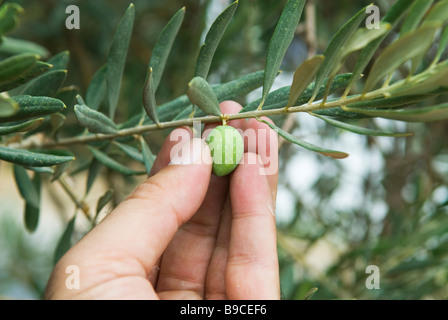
(163, 46)
(289, 137)
(331, 52)
(32, 159)
(9, 17)
(32, 107)
(41, 169)
(32, 212)
(360, 130)
(21, 127)
(438, 13)
(398, 53)
(117, 58)
(13, 67)
(46, 85)
(10, 46)
(443, 44)
(94, 169)
(130, 151)
(8, 107)
(424, 83)
(65, 242)
(38, 68)
(26, 187)
(94, 120)
(279, 98)
(60, 170)
(148, 157)
(226, 91)
(60, 61)
(202, 95)
(360, 39)
(382, 103)
(149, 97)
(212, 40)
(310, 294)
(393, 16)
(111, 163)
(416, 13)
(426, 114)
(280, 42)
(57, 121)
(302, 78)
(97, 88)
(104, 200)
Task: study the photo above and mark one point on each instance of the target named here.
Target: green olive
(227, 148)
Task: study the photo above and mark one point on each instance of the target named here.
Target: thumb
(142, 226)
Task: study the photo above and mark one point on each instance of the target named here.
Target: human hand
(184, 233)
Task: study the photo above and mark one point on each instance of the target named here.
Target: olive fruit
(227, 148)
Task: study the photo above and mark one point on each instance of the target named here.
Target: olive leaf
(201, 94)
(13, 67)
(47, 84)
(426, 114)
(443, 43)
(117, 58)
(331, 52)
(9, 19)
(212, 40)
(360, 39)
(11, 46)
(94, 120)
(225, 91)
(97, 88)
(60, 61)
(416, 13)
(148, 157)
(38, 69)
(94, 169)
(32, 107)
(289, 137)
(381, 103)
(302, 78)
(393, 16)
(399, 52)
(21, 127)
(103, 201)
(32, 212)
(438, 13)
(111, 163)
(33, 159)
(8, 107)
(149, 97)
(130, 151)
(424, 83)
(163, 46)
(26, 188)
(360, 130)
(310, 294)
(65, 242)
(279, 98)
(279, 43)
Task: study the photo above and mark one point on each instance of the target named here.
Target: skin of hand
(185, 233)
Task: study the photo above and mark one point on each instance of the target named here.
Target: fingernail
(189, 153)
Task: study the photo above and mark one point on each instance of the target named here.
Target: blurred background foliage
(386, 205)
